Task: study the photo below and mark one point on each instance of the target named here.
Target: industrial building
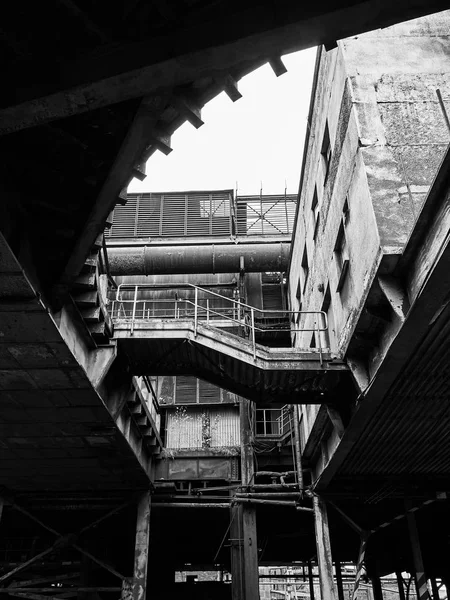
(211, 395)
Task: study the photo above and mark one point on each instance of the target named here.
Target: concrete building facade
(378, 129)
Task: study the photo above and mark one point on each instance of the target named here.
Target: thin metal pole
(195, 311)
(319, 340)
(207, 311)
(253, 333)
(134, 309)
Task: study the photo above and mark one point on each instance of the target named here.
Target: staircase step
(147, 432)
(136, 409)
(90, 264)
(86, 281)
(92, 315)
(86, 299)
(109, 220)
(100, 332)
(98, 242)
(142, 421)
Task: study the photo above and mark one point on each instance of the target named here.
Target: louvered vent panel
(174, 215)
(149, 216)
(209, 392)
(186, 390)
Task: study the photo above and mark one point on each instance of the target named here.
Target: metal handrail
(242, 314)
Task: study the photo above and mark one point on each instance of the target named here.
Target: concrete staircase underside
(266, 375)
(56, 430)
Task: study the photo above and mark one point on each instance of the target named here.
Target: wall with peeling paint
(376, 93)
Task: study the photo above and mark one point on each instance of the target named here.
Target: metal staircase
(194, 331)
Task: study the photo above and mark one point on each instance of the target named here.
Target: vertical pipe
(323, 544)
(298, 452)
(339, 585)
(141, 548)
(311, 580)
(419, 571)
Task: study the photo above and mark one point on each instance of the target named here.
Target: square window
(315, 213)
(326, 152)
(341, 256)
(305, 268)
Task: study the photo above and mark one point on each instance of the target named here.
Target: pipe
(213, 258)
(190, 505)
(298, 450)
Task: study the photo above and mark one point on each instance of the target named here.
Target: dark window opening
(326, 152)
(315, 213)
(305, 268)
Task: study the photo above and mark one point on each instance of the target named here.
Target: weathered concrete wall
(395, 74)
(376, 93)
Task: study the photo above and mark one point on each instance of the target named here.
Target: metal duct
(211, 258)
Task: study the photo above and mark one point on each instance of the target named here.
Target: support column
(377, 589)
(323, 544)
(340, 587)
(139, 584)
(420, 577)
(236, 551)
(401, 587)
(249, 537)
(434, 588)
(311, 580)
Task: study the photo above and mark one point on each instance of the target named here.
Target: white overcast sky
(257, 139)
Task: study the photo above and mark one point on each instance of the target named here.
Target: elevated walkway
(183, 332)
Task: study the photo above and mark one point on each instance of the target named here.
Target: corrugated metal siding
(184, 429)
(203, 428)
(224, 427)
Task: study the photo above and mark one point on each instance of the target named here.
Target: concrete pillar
(139, 584)
(419, 572)
(323, 544)
(249, 536)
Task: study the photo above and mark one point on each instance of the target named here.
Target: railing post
(176, 305)
(252, 312)
(207, 311)
(195, 311)
(134, 309)
(318, 336)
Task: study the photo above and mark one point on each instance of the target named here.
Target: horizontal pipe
(190, 505)
(215, 258)
(268, 495)
(271, 502)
